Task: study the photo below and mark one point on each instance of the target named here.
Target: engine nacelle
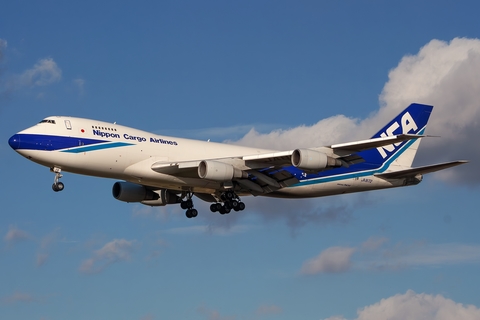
(131, 192)
(219, 171)
(307, 159)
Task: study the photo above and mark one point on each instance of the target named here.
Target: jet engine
(307, 159)
(219, 171)
(131, 192)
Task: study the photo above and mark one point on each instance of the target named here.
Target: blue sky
(273, 74)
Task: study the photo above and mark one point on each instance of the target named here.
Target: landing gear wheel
(241, 206)
(188, 205)
(58, 186)
(231, 201)
(191, 213)
(224, 210)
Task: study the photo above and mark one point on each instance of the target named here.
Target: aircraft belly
(323, 189)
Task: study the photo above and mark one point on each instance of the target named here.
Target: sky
(273, 74)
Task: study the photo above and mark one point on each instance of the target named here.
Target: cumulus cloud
(210, 229)
(268, 309)
(3, 46)
(443, 74)
(413, 305)
(336, 318)
(300, 212)
(373, 243)
(45, 244)
(211, 314)
(79, 84)
(331, 260)
(324, 132)
(15, 235)
(421, 254)
(377, 255)
(4, 86)
(20, 297)
(43, 73)
(114, 251)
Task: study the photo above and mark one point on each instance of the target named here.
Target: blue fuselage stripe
(355, 172)
(63, 144)
(96, 147)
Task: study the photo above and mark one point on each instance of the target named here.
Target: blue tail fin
(412, 120)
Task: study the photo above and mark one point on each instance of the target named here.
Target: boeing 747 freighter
(157, 170)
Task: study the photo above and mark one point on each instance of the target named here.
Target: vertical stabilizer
(412, 120)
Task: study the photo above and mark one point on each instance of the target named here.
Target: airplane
(157, 170)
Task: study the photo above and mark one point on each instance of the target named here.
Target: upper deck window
(47, 121)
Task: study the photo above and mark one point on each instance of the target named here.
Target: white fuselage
(128, 154)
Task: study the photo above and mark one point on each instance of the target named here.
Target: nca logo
(407, 124)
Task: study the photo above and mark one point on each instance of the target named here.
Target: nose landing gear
(57, 185)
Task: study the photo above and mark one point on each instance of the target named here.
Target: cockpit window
(47, 121)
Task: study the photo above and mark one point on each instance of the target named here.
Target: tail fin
(412, 120)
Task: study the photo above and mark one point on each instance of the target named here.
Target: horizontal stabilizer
(420, 170)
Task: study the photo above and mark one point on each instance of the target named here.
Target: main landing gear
(188, 205)
(57, 185)
(230, 202)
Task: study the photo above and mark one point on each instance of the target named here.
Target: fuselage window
(68, 125)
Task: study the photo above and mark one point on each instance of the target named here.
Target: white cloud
(416, 306)
(45, 244)
(268, 309)
(211, 314)
(336, 318)
(446, 75)
(324, 132)
(210, 229)
(374, 254)
(300, 212)
(114, 251)
(15, 235)
(80, 84)
(331, 260)
(421, 254)
(3, 46)
(20, 297)
(373, 243)
(43, 73)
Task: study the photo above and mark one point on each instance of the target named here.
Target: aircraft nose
(14, 141)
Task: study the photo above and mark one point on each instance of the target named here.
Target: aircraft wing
(266, 172)
(358, 146)
(419, 170)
